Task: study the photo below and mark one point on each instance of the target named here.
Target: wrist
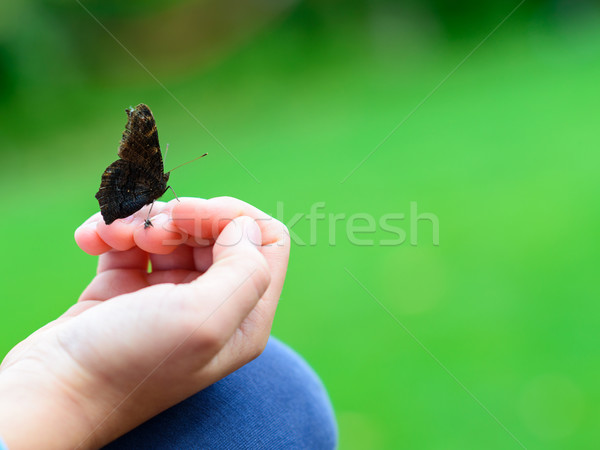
(38, 411)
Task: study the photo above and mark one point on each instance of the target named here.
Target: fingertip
(242, 230)
(93, 218)
(251, 230)
(119, 234)
(87, 238)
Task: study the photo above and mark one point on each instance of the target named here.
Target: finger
(205, 219)
(163, 237)
(78, 308)
(203, 258)
(174, 276)
(88, 240)
(134, 258)
(221, 298)
(112, 283)
(181, 258)
(119, 234)
(277, 255)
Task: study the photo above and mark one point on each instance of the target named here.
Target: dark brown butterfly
(138, 178)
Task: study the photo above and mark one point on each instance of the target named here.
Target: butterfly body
(137, 178)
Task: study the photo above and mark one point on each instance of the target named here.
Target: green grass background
(505, 153)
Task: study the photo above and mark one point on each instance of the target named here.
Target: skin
(138, 342)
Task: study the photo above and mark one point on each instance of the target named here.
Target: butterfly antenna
(180, 165)
(166, 151)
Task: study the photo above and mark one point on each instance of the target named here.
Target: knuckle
(207, 339)
(226, 198)
(257, 348)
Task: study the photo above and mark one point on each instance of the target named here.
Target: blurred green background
(505, 153)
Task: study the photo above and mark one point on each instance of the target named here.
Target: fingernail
(91, 225)
(128, 219)
(252, 232)
(159, 219)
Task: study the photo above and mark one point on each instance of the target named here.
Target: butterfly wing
(125, 189)
(139, 144)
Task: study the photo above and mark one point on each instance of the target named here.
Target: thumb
(231, 288)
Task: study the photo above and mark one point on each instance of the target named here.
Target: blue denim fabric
(274, 402)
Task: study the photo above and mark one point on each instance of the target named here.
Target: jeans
(274, 402)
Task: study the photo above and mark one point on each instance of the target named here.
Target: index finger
(204, 219)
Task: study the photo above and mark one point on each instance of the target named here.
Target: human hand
(138, 342)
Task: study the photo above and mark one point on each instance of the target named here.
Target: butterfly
(138, 177)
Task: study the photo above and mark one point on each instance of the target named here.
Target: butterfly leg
(169, 187)
(147, 222)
